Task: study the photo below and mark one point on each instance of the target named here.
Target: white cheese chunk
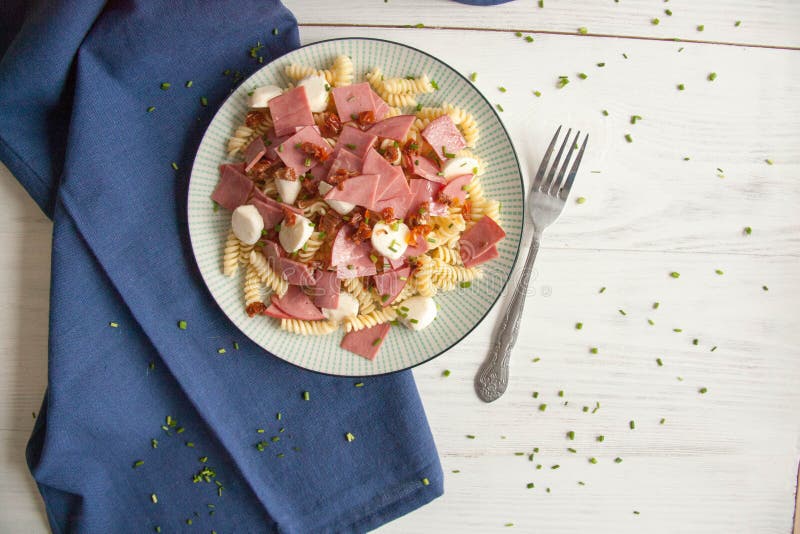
(293, 236)
(315, 92)
(247, 224)
(262, 95)
(389, 240)
(458, 167)
(347, 307)
(339, 206)
(417, 312)
(288, 189)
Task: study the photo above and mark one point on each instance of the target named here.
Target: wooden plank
(764, 22)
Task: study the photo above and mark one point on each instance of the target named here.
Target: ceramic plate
(460, 310)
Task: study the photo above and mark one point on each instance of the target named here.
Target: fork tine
(556, 185)
(543, 165)
(546, 185)
(571, 178)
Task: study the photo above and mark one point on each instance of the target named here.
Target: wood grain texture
(764, 22)
(724, 461)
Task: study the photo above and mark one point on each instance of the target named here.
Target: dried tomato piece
(365, 118)
(255, 308)
(388, 213)
(286, 173)
(289, 216)
(421, 230)
(255, 117)
(362, 233)
(331, 126)
(314, 151)
(356, 218)
(329, 223)
(442, 198)
(466, 209)
(309, 185)
(391, 154)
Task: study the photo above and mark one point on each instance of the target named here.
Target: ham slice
(393, 128)
(351, 259)
(290, 110)
(359, 190)
(381, 107)
(425, 168)
(295, 272)
(455, 187)
(272, 142)
(345, 160)
(443, 136)
(355, 141)
(421, 247)
(270, 209)
(478, 239)
(234, 187)
(436, 208)
(325, 293)
(396, 264)
(422, 192)
(297, 304)
(353, 99)
(490, 254)
(389, 284)
(292, 156)
(254, 152)
(276, 312)
(366, 342)
(395, 195)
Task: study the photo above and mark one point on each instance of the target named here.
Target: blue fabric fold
(76, 81)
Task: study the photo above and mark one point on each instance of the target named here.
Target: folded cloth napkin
(147, 426)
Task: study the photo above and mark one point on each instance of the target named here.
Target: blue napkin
(146, 426)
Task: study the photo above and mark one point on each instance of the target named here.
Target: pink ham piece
(381, 107)
(271, 210)
(272, 142)
(295, 272)
(436, 208)
(345, 160)
(367, 341)
(478, 239)
(325, 293)
(297, 304)
(421, 247)
(395, 195)
(234, 187)
(443, 136)
(399, 262)
(455, 187)
(359, 190)
(351, 259)
(353, 99)
(393, 128)
(290, 110)
(292, 156)
(254, 152)
(490, 254)
(422, 192)
(274, 311)
(355, 141)
(389, 284)
(425, 168)
(320, 172)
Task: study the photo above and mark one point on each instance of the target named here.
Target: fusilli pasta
(310, 248)
(296, 72)
(355, 287)
(230, 255)
(308, 328)
(342, 71)
(366, 320)
(267, 275)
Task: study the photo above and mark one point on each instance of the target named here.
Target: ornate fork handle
(492, 378)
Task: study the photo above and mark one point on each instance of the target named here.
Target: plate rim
(523, 222)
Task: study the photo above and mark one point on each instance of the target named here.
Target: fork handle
(492, 378)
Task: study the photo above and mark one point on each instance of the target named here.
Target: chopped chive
(662, 421)
(701, 27)
(151, 109)
(747, 230)
(679, 330)
(583, 30)
(695, 341)
(593, 350)
(473, 76)
(737, 23)
(274, 31)
(570, 449)
(189, 83)
(654, 21)
(561, 393)
(221, 351)
(535, 394)
(529, 485)
(602, 289)
(659, 362)
(537, 93)
(712, 76)
(426, 482)
(446, 372)
(596, 407)
(203, 101)
(518, 34)
(138, 463)
(235, 345)
(605, 113)
(582, 75)
(617, 460)
(470, 436)
(578, 326)
(165, 86)
(180, 430)
(601, 438)
(535, 360)
(571, 435)
(113, 325)
(668, 12)
(500, 108)
(190, 444)
(682, 87)
(182, 325)
(154, 498)
(519, 454)
(632, 424)
(501, 89)
(555, 466)
(174, 165)
(628, 138)
(601, 64)
(465, 284)
(306, 396)
(542, 407)
(592, 460)
(580, 200)
(765, 288)
(703, 390)
(635, 118)
(622, 312)
(650, 322)
(528, 39)
(585, 409)
(675, 274)
(349, 437)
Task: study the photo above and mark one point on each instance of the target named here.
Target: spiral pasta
(375, 79)
(342, 71)
(267, 275)
(410, 86)
(308, 328)
(244, 135)
(252, 286)
(269, 188)
(448, 255)
(296, 72)
(367, 320)
(423, 274)
(446, 276)
(230, 255)
(310, 248)
(486, 208)
(244, 253)
(408, 291)
(447, 230)
(355, 287)
(317, 207)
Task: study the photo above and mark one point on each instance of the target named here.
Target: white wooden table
(724, 461)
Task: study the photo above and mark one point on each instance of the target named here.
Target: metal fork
(547, 197)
